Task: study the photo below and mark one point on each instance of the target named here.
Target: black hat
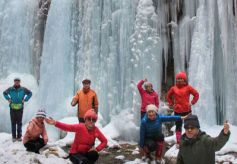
(86, 81)
(17, 79)
(191, 120)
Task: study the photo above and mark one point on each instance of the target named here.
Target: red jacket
(84, 139)
(147, 98)
(178, 96)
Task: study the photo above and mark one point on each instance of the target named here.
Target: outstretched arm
(139, 86)
(65, 127)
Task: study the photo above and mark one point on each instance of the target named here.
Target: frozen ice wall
(57, 65)
(116, 44)
(16, 35)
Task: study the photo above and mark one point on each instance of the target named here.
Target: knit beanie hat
(90, 114)
(151, 107)
(86, 81)
(191, 120)
(147, 84)
(41, 113)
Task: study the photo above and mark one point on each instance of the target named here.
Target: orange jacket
(85, 102)
(34, 130)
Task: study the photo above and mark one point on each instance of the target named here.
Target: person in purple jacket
(151, 137)
(148, 96)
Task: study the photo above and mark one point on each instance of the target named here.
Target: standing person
(36, 128)
(17, 96)
(82, 149)
(148, 96)
(151, 137)
(86, 99)
(196, 146)
(178, 98)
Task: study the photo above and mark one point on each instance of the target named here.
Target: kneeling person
(36, 128)
(151, 137)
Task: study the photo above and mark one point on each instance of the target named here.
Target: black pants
(179, 123)
(87, 158)
(34, 145)
(16, 122)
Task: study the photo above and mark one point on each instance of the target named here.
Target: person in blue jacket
(16, 96)
(151, 137)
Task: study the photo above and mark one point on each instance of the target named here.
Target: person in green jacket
(196, 146)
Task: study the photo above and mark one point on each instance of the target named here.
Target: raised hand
(226, 127)
(50, 121)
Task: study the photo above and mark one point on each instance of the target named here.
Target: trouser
(142, 115)
(34, 145)
(178, 124)
(155, 144)
(84, 158)
(16, 122)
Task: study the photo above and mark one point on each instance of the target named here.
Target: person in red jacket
(178, 98)
(148, 96)
(82, 149)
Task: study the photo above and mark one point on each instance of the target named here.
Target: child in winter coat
(148, 96)
(178, 98)
(82, 150)
(36, 128)
(151, 137)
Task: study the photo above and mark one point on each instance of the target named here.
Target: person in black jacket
(196, 146)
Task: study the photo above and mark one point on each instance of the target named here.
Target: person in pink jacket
(32, 139)
(148, 96)
(178, 98)
(82, 149)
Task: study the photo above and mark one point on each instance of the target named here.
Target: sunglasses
(91, 119)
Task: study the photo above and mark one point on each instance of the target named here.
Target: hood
(181, 75)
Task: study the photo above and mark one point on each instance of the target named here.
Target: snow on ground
(15, 152)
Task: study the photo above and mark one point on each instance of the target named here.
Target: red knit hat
(91, 114)
(181, 75)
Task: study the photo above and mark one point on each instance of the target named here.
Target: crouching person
(82, 149)
(32, 139)
(151, 137)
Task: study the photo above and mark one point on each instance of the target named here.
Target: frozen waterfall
(115, 44)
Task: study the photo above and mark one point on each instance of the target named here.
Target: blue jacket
(151, 128)
(17, 94)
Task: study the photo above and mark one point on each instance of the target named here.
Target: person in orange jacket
(36, 128)
(178, 98)
(86, 99)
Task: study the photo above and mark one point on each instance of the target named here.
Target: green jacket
(201, 150)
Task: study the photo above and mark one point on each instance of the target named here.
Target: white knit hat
(151, 107)
(41, 113)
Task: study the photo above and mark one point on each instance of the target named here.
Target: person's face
(180, 81)
(90, 122)
(17, 83)
(151, 115)
(149, 88)
(86, 86)
(191, 132)
(40, 119)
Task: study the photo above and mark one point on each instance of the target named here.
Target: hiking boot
(145, 159)
(14, 139)
(19, 139)
(160, 161)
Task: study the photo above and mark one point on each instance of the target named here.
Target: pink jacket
(84, 139)
(147, 98)
(34, 130)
